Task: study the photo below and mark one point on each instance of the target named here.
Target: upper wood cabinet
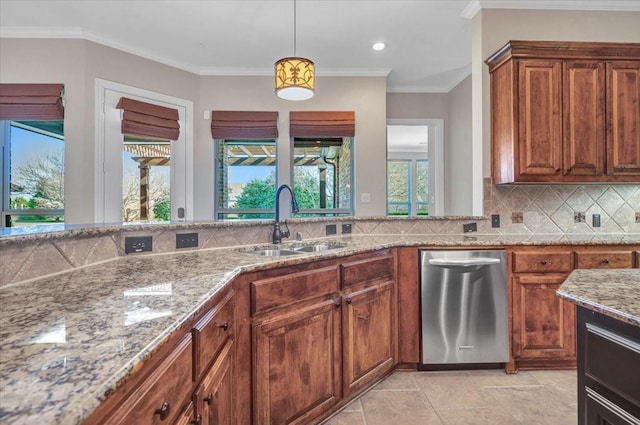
(565, 112)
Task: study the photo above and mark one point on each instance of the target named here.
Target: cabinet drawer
(533, 262)
(160, 397)
(282, 290)
(211, 332)
(604, 260)
(610, 357)
(367, 269)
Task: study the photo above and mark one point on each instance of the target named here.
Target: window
(33, 172)
(407, 187)
(245, 179)
(322, 175)
(414, 168)
(146, 180)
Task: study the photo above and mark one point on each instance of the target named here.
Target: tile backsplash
(564, 208)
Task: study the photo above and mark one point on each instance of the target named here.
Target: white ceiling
(428, 41)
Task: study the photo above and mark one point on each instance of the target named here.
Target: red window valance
(141, 119)
(322, 124)
(244, 125)
(35, 102)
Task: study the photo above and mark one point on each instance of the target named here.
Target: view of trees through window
(407, 187)
(35, 163)
(246, 180)
(146, 180)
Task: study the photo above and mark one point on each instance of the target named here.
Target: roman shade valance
(244, 125)
(36, 102)
(141, 119)
(322, 124)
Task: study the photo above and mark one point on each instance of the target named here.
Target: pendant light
(295, 76)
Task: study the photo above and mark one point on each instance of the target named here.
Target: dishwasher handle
(463, 262)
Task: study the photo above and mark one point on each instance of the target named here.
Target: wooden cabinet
(542, 324)
(214, 398)
(368, 335)
(321, 333)
(608, 376)
(190, 380)
(565, 112)
(297, 364)
(623, 117)
(159, 398)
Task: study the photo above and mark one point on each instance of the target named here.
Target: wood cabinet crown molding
(529, 49)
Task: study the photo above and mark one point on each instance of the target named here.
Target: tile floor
(466, 398)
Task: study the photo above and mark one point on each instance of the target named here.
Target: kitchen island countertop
(612, 292)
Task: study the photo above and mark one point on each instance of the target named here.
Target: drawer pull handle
(349, 301)
(544, 262)
(606, 261)
(197, 420)
(208, 398)
(224, 326)
(163, 411)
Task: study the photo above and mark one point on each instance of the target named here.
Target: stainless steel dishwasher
(464, 308)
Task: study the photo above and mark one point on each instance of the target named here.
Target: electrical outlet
(186, 240)
(517, 218)
(346, 228)
(331, 229)
(595, 219)
(495, 220)
(469, 227)
(137, 244)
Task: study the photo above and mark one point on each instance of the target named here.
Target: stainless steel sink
(273, 252)
(293, 250)
(316, 248)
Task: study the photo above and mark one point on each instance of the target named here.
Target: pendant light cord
(294, 28)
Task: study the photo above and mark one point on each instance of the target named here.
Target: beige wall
(455, 109)
(77, 63)
(458, 156)
(497, 26)
(364, 95)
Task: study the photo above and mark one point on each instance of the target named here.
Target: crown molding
(324, 72)
(474, 6)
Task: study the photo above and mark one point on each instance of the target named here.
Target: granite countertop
(69, 339)
(612, 292)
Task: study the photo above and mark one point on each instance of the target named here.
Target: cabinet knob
(208, 398)
(349, 301)
(544, 262)
(197, 420)
(224, 326)
(337, 304)
(606, 261)
(163, 411)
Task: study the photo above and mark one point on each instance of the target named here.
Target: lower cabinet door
(543, 323)
(214, 397)
(368, 335)
(601, 411)
(297, 364)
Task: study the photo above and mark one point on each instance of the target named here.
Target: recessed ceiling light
(379, 46)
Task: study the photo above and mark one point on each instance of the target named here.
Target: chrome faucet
(277, 233)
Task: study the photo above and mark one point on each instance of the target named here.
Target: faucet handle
(285, 233)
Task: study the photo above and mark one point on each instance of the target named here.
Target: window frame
(435, 156)
(217, 210)
(5, 210)
(326, 212)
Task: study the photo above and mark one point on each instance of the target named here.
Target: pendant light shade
(295, 76)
